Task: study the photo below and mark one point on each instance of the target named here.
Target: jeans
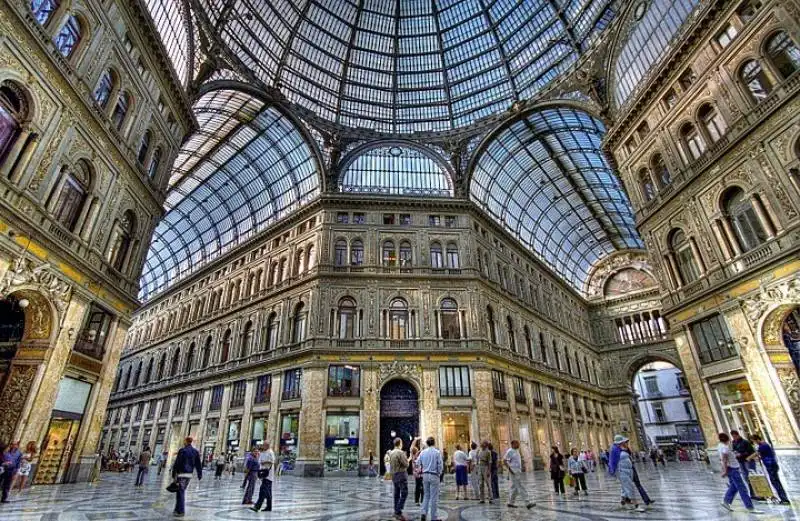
(558, 484)
(141, 475)
(736, 484)
(264, 493)
(180, 495)
(6, 479)
(430, 501)
(418, 490)
(642, 492)
(400, 481)
(772, 472)
(495, 486)
(251, 486)
(744, 468)
(517, 489)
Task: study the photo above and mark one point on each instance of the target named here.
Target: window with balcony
(356, 253)
(389, 254)
(490, 324)
(681, 247)
(437, 260)
(519, 391)
(121, 110)
(755, 80)
(344, 380)
(713, 339)
(347, 318)
(398, 320)
(406, 257)
(747, 228)
(693, 143)
(300, 318)
(453, 260)
(291, 384)
(499, 385)
(454, 381)
(449, 320)
(105, 86)
(658, 413)
(646, 185)
(69, 37)
(92, 338)
(340, 253)
(713, 122)
(42, 10)
(783, 53)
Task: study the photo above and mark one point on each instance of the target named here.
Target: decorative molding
(399, 369)
(780, 293)
(42, 277)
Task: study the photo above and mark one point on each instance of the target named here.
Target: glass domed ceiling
(399, 66)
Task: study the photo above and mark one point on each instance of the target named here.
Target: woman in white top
(460, 460)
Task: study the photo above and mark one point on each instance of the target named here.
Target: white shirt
(473, 457)
(725, 449)
(581, 456)
(513, 460)
(460, 457)
(267, 459)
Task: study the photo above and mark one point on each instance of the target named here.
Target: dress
(625, 475)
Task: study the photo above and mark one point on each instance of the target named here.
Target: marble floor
(683, 491)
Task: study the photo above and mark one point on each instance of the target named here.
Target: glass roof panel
(545, 178)
(397, 170)
(172, 23)
(400, 66)
(245, 167)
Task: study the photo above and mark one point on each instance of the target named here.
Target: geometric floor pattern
(682, 491)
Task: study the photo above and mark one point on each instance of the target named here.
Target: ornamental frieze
(42, 277)
(781, 293)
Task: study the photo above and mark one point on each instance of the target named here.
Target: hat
(619, 438)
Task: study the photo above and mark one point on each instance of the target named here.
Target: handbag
(172, 487)
(263, 473)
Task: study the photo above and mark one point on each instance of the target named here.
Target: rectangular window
(180, 404)
(499, 385)
(566, 402)
(651, 385)
(405, 219)
(670, 99)
(291, 384)
(342, 217)
(359, 218)
(434, 220)
(551, 397)
(151, 410)
(139, 411)
(197, 401)
(263, 389)
(164, 408)
(216, 397)
(519, 390)
(536, 389)
(237, 393)
(344, 380)
(726, 36)
(450, 221)
(388, 218)
(454, 381)
(658, 412)
(713, 339)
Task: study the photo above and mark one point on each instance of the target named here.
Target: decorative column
(726, 226)
(312, 414)
(701, 265)
(762, 216)
(222, 427)
(484, 403)
(245, 430)
(719, 233)
(675, 275)
(369, 420)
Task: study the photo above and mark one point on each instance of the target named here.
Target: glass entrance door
(57, 450)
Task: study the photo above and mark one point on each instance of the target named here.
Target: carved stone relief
(42, 277)
(14, 395)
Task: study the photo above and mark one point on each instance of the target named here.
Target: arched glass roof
(655, 24)
(400, 66)
(545, 178)
(396, 170)
(171, 20)
(246, 166)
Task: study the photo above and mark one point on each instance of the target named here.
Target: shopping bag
(172, 487)
(569, 481)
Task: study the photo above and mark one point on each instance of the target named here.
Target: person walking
(387, 464)
(654, 456)
(493, 469)
(417, 472)
(730, 466)
(144, 466)
(744, 450)
(162, 461)
(461, 461)
(577, 469)
(557, 470)
(624, 472)
(371, 468)
(10, 461)
(638, 484)
(432, 466)
(484, 471)
(266, 460)
(445, 469)
(186, 463)
(219, 467)
(25, 466)
(766, 454)
(398, 462)
(251, 468)
(474, 479)
(513, 462)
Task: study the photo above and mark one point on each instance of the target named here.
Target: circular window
(639, 10)
(396, 151)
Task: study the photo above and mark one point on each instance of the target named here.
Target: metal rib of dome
(399, 66)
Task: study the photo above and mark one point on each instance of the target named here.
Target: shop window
(693, 142)
(272, 332)
(341, 443)
(688, 270)
(291, 384)
(69, 37)
(237, 393)
(356, 253)
(42, 10)
(263, 389)
(299, 323)
(748, 231)
(144, 147)
(783, 53)
(437, 260)
(398, 320)
(92, 338)
(121, 110)
(646, 185)
(216, 397)
(713, 122)
(105, 86)
(454, 381)
(449, 319)
(499, 385)
(755, 80)
(726, 36)
(712, 338)
(344, 380)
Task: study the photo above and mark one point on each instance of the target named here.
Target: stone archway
(399, 414)
(771, 336)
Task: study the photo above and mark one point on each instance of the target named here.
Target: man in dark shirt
(186, 463)
(767, 456)
(744, 450)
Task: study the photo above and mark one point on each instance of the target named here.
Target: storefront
(287, 454)
(158, 447)
(259, 433)
(738, 407)
(64, 425)
(210, 439)
(456, 428)
(341, 443)
(234, 435)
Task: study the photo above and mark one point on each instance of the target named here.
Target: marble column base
(308, 468)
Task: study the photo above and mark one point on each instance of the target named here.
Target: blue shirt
(11, 459)
(431, 461)
(767, 454)
(613, 458)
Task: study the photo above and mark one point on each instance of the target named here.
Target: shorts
(461, 476)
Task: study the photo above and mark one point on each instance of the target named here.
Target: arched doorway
(399, 415)
(667, 418)
(12, 327)
(790, 334)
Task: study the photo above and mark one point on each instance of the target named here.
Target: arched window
(688, 270)
(69, 37)
(693, 142)
(206, 353)
(437, 260)
(347, 318)
(137, 375)
(755, 80)
(148, 375)
(273, 274)
(283, 269)
(340, 253)
(490, 324)
(357, 253)
(43, 9)
(512, 337)
(747, 228)
(226, 347)
(660, 170)
(127, 382)
(311, 256)
(300, 261)
(13, 111)
(406, 255)
(453, 261)
(71, 195)
(105, 86)
(448, 318)
(162, 363)
(247, 339)
(398, 320)
(121, 110)
(299, 330)
(646, 185)
(176, 359)
(189, 365)
(528, 341)
(389, 254)
(121, 243)
(712, 120)
(155, 162)
(783, 54)
(272, 332)
(144, 147)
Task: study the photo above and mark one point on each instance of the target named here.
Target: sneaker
(785, 502)
(530, 505)
(727, 507)
(509, 506)
(754, 511)
(640, 508)
(254, 509)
